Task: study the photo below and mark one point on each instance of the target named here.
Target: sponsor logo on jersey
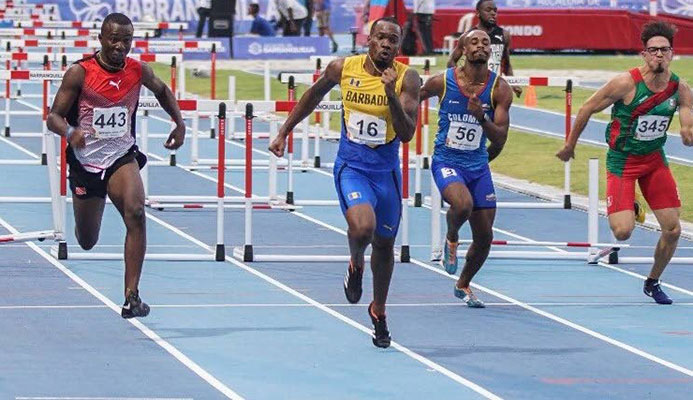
(448, 172)
(491, 197)
(354, 195)
(115, 84)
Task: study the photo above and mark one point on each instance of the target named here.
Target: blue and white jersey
(461, 141)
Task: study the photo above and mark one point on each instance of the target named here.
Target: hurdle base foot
(7, 131)
(613, 258)
(172, 160)
(212, 133)
(404, 255)
(289, 197)
(316, 163)
(62, 250)
(220, 253)
(425, 163)
(566, 202)
(417, 200)
(248, 253)
(44, 159)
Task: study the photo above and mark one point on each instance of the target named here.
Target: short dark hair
(658, 28)
(391, 20)
(255, 7)
(479, 3)
(116, 18)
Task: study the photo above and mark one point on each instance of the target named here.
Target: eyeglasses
(653, 50)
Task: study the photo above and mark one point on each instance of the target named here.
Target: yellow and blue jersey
(461, 141)
(368, 140)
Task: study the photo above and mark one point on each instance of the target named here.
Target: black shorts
(85, 184)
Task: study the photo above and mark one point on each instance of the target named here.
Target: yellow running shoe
(639, 207)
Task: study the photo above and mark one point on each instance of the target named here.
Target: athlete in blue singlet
(380, 103)
(474, 104)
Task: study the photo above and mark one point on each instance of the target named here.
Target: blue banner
(257, 47)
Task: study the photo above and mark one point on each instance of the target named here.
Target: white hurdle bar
(219, 252)
(57, 206)
(247, 254)
(595, 249)
(97, 25)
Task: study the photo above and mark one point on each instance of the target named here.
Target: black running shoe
(653, 289)
(134, 307)
(353, 284)
(381, 336)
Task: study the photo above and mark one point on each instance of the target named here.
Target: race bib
(464, 136)
(110, 123)
(651, 127)
(366, 129)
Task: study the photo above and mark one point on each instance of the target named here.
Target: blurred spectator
(322, 14)
(292, 16)
(203, 9)
(260, 25)
(308, 22)
(424, 10)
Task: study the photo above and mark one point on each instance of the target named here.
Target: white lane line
(432, 365)
(139, 325)
(18, 147)
(343, 305)
(102, 398)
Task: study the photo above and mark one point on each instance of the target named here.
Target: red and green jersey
(640, 127)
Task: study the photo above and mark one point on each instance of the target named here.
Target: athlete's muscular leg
(620, 196)
(622, 224)
(668, 219)
(481, 223)
(88, 215)
(361, 221)
(382, 264)
(126, 191)
(461, 205)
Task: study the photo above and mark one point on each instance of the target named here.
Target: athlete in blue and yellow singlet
(474, 105)
(380, 102)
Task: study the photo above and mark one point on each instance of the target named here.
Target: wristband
(486, 118)
(70, 131)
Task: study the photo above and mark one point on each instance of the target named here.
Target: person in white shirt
(424, 10)
(293, 15)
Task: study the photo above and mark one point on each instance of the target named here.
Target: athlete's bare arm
(497, 130)
(507, 67)
(614, 90)
(686, 113)
(168, 102)
(433, 87)
(405, 107)
(457, 53)
(310, 99)
(63, 101)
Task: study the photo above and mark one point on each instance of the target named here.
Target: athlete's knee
(483, 240)
(622, 232)
(86, 241)
(462, 207)
(134, 216)
(671, 234)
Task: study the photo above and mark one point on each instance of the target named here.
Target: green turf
(535, 153)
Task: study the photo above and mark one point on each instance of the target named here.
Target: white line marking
(346, 305)
(455, 377)
(20, 148)
(103, 398)
(139, 325)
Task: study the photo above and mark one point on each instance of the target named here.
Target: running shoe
(381, 336)
(353, 284)
(449, 260)
(468, 297)
(134, 307)
(653, 289)
(639, 208)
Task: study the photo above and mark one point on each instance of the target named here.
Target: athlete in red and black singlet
(106, 111)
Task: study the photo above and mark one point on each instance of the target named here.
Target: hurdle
(57, 207)
(596, 250)
(246, 253)
(216, 253)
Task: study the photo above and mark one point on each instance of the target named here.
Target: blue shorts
(382, 190)
(478, 182)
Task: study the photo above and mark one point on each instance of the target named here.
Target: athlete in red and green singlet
(644, 101)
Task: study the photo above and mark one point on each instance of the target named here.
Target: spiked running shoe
(134, 307)
(653, 289)
(449, 260)
(353, 284)
(468, 297)
(639, 209)
(381, 336)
